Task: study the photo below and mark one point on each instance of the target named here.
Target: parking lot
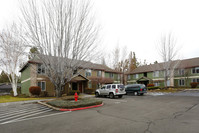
(152, 113)
(11, 114)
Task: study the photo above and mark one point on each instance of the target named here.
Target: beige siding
(33, 75)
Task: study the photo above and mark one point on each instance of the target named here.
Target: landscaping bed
(69, 103)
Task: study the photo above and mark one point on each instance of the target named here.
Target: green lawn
(7, 98)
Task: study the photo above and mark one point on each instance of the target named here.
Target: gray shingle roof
(186, 63)
(84, 65)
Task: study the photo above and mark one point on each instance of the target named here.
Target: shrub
(153, 88)
(150, 85)
(68, 104)
(72, 92)
(89, 91)
(35, 90)
(44, 94)
(193, 84)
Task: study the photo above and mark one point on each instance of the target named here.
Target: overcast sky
(137, 24)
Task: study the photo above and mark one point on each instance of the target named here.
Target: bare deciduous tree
(12, 49)
(64, 33)
(116, 57)
(168, 52)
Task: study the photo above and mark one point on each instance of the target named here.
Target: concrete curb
(43, 103)
(60, 109)
(89, 107)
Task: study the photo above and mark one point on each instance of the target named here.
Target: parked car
(136, 89)
(111, 90)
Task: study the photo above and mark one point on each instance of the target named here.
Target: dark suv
(136, 89)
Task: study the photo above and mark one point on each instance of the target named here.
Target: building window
(181, 82)
(195, 80)
(129, 77)
(181, 71)
(99, 73)
(88, 72)
(41, 69)
(110, 75)
(167, 71)
(156, 74)
(42, 84)
(135, 76)
(89, 84)
(195, 70)
(118, 76)
(156, 83)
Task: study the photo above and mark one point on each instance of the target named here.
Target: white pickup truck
(111, 90)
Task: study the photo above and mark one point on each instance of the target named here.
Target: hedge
(153, 88)
(194, 84)
(72, 92)
(35, 90)
(70, 104)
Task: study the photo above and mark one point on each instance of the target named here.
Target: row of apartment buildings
(94, 75)
(89, 76)
(185, 72)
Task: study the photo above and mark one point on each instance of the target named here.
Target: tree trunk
(14, 89)
(58, 93)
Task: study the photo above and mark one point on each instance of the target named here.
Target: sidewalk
(21, 102)
(33, 101)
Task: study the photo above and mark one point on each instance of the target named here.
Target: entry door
(80, 87)
(74, 86)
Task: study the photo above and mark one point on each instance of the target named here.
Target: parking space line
(20, 111)
(16, 108)
(114, 100)
(22, 114)
(32, 118)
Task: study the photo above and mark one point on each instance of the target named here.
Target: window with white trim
(129, 77)
(42, 84)
(195, 70)
(110, 75)
(181, 71)
(135, 76)
(89, 84)
(156, 74)
(41, 69)
(195, 80)
(118, 76)
(156, 83)
(99, 73)
(167, 71)
(88, 72)
(181, 82)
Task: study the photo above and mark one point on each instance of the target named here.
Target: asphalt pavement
(166, 113)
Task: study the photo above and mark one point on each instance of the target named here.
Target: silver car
(111, 90)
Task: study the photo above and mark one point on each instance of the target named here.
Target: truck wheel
(96, 94)
(141, 94)
(120, 96)
(111, 95)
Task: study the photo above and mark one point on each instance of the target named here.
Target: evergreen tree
(133, 63)
(4, 78)
(32, 52)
